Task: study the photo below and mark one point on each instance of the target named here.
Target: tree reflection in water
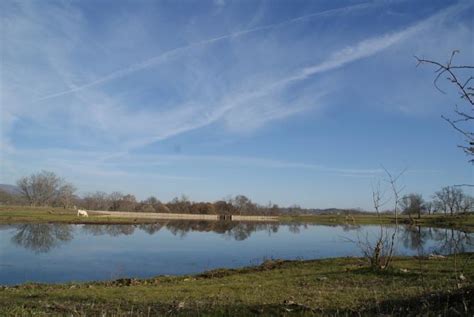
(111, 230)
(452, 241)
(236, 230)
(446, 241)
(41, 238)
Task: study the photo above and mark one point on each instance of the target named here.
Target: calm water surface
(60, 253)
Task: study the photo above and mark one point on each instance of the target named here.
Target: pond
(55, 253)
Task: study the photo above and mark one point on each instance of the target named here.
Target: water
(61, 253)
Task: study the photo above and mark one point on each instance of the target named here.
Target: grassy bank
(319, 287)
(464, 222)
(22, 214)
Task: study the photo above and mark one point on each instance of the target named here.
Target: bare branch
(464, 117)
(469, 135)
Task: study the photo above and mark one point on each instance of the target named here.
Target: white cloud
(172, 53)
(97, 117)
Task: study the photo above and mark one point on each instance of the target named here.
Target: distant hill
(11, 189)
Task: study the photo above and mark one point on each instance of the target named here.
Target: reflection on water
(236, 230)
(446, 241)
(60, 252)
(111, 230)
(41, 237)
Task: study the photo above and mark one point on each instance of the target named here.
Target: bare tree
(412, 204)
(466, 204)
(40, 189)
(119, 201)
(243, 204)
(65, 195)
(179, 204)
(224, 208)
(381, 252)
(429, 207)
(115, 199)
(450, 199)
(96, 201)
(128, 203)
(459, 76)
(151, 204)
(396, 191)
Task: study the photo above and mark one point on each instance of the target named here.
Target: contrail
(360, 50)
(176, 51)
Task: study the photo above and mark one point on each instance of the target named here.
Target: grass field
(333, 286)
(464, 222)
(22, 214)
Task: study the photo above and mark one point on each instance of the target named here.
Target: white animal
(81, 212)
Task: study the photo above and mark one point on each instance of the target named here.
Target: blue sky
(294, 102)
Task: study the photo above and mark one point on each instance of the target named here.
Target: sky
(293, 102)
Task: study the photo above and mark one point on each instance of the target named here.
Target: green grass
(464, 222)
(22, 214)
(319, 287)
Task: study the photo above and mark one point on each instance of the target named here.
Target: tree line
(47, 189)
(448, 200)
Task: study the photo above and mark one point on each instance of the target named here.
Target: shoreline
(325, 286)
(26, 214)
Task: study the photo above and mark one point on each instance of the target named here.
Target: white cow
(81, 212)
